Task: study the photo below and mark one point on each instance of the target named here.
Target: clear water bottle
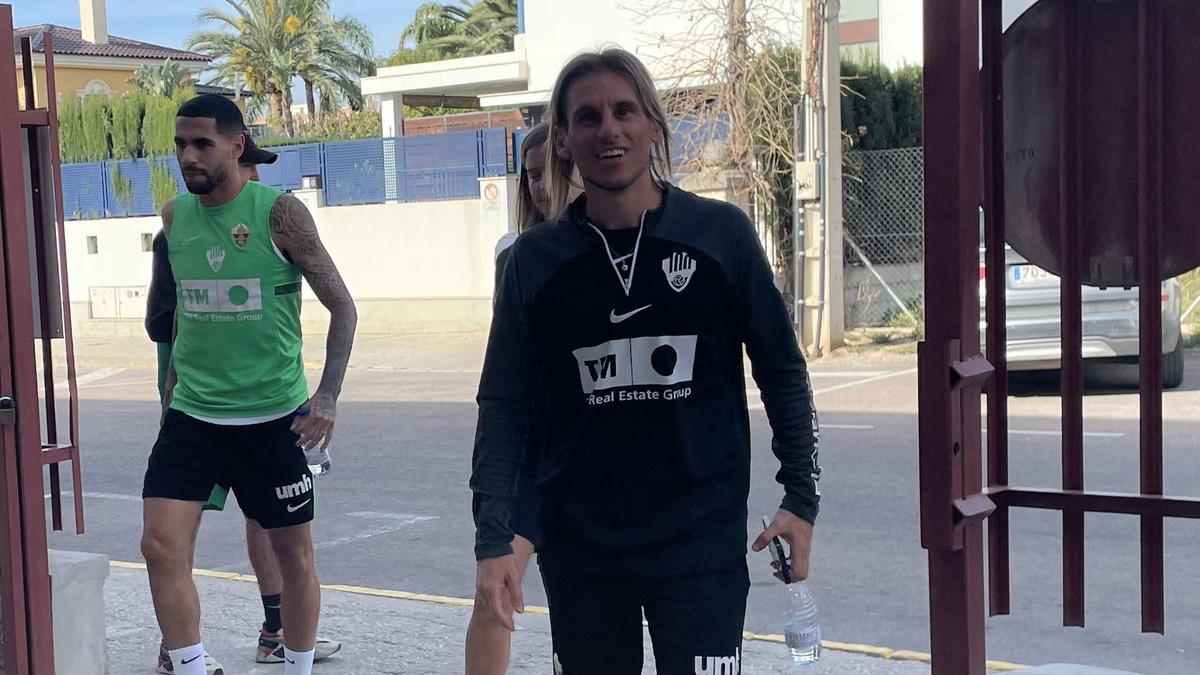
(318, 461)
(801, 630)
(317, 457)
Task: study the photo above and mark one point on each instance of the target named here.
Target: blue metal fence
(493, 151)
(286, 172)
(368, 171)
(83, 190)
(354, 172)
(438, 166)
(518, 137)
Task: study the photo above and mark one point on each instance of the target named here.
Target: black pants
(695, 620)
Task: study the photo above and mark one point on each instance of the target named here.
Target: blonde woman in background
(488, 639)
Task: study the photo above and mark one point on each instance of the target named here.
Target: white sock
(189, 660)
(297, 663)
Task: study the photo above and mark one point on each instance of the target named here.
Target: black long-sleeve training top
(641, 391)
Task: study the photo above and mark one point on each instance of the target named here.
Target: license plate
(1030, 276)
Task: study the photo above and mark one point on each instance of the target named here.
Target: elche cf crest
(678, 268)
(240, 234)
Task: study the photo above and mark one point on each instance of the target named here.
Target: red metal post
(950, 419)
(997, 331)
(1149, 192)
(22, 446)
(1070, 190)
(68, 330)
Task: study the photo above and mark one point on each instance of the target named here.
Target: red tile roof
(70, 41)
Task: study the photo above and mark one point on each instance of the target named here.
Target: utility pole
(822, 328)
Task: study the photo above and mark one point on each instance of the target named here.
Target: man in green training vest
(238, 250)
(160, 326)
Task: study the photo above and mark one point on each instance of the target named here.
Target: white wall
(422, 266)
(901, 33)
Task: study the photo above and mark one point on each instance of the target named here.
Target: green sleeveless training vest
(237, 353)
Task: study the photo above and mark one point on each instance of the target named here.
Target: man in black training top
(623, 321)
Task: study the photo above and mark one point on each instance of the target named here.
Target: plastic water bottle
(801, 630)
(318, 461)
(317, 457)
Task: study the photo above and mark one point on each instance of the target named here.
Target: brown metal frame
(24, 559)
(954, 505)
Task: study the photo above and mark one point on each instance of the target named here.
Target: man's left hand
(797, 532)
(315, 427)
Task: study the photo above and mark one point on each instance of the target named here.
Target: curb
(885, 653)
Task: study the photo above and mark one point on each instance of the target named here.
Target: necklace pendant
(625, 267)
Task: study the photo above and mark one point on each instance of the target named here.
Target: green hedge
(135, 125)
(881, 108)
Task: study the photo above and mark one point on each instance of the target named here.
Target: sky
(169, 22)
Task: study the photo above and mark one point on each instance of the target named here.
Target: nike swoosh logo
(290, 661)
(297, 507)
(618, 318)
(187, 661)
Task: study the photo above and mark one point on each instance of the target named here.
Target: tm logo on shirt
(222, 297)
(628, 366)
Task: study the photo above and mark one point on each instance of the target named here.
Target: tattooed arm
(295, 233)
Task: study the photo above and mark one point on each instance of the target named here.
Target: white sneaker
(270, 648)
(165, 667)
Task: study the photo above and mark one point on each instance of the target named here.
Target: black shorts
(260, 463)
(695, 620)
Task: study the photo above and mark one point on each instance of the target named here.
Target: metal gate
(33, 310)
(955, 501)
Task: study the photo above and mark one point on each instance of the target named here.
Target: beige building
(88, 61)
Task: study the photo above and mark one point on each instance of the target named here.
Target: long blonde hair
(527, 213)
(615, 60)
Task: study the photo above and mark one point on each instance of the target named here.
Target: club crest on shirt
(240, 234)
(678, 268)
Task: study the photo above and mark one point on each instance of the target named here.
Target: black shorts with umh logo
(260, 463)
(695, 619)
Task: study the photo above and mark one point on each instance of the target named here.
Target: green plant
(162, 184)
(126, 127)
(881, 108)
(96, 122)
(70, 132)
(1189, 292)
(122, 187)
(158, 123)
(160, 80)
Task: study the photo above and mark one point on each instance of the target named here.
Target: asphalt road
(394, 513)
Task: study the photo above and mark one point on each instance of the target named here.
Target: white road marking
(398, 522)
(119, 384)
(848, 427)
(847, 373)
(1051, 432)
(847, 385)
(81, 380)
(67, 494)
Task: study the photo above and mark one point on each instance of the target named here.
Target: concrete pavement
(384, 634)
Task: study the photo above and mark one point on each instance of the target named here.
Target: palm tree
(335, 52)
(431, 20)
(453, 31)
(250, 45)
(266, 43)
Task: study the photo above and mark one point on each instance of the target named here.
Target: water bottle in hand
(317, 457)
(801, 630)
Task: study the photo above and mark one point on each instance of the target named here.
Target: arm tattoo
(293, 230)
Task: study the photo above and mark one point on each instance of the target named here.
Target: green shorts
(216, 500)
